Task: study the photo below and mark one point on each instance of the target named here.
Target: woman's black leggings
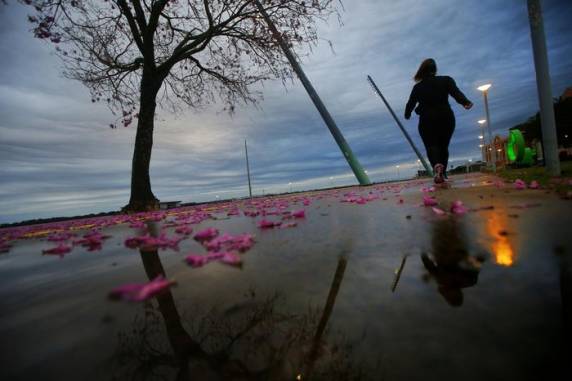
(436, 129)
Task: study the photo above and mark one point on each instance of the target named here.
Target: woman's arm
(457, 94)
(410, 103)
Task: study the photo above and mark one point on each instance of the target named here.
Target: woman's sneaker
(439, 169)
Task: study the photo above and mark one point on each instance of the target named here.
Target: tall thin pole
(334, 130)
(247, 169)
(491, 140)
(421, 158)
(547, 120)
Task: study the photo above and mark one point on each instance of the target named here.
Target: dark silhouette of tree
(140, 53)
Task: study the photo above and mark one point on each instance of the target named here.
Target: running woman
(436, 119)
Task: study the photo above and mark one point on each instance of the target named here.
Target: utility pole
(334, 130)
(247, 169)
(547, 120)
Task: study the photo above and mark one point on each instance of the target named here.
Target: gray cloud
(59, 157)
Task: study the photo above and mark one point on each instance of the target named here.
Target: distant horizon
(60, 158)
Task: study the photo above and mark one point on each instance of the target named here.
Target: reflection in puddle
(451, 266)
(502, 249)
(250, 340)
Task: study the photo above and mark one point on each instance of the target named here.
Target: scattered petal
(206, 234)
(266, 224)
(140, 292)
(429, 201)
(519, 184)
(60, 250)
(438, 211)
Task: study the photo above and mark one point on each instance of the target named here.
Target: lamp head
(484, 87)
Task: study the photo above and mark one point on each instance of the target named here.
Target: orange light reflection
(501, 247)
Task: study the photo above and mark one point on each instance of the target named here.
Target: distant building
(566, 94)
(500, 147)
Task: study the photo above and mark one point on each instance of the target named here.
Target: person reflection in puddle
(452, 267)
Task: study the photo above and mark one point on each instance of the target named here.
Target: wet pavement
(366, 283)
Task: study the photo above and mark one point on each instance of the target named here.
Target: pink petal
(140, 292)
(60, 250)
(438, 211)
(534, 184)
(457, 207)
(429, 201)
(299, 213)
(231, 259)
(266, 224)
(519, 184)
(185, 230)
(206, 234)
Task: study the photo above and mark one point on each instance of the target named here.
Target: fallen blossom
(429, 201)
(266, 224)
(534, 184)
(428, 189)
(206, 234)
(60, 250)
(138, 292)
(184, 230)
(299, 213)
(93, 240)
(228, 258)
(519, 184)
(289, 225)
(147, 242)
(457, 207)
(438, 211)
(242, 243)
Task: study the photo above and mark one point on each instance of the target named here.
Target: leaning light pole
(400, 125)
(335, 131)
(247, 170)
(547, 121)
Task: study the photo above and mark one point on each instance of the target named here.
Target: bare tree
(140, 53)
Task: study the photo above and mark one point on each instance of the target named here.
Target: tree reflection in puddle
(452, 267)
(251, 340)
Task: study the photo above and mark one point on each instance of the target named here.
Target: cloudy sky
(58, 157)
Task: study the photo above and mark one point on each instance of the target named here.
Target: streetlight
(331, 181)
(290, 184)
(485, 89)
(397, 166)
(482, 138)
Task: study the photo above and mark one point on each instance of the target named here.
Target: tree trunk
(142, 197)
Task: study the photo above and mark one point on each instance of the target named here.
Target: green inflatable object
(515, 147)
(516, 150)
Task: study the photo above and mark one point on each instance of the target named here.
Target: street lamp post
(485, 90)
(482, 139)
(547, 120)
(397, 166)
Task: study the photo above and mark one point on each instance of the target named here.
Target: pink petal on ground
(289, 225)
(306, 202)
(266, 224)
(438, 211)
(457, 207)
(534, 184)
(299, 213)
(197, 260)
(429, 201)
(231, 259)
(206, 234)
(184, 230)
(60, 250)
(140, 292)
(519, 184)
